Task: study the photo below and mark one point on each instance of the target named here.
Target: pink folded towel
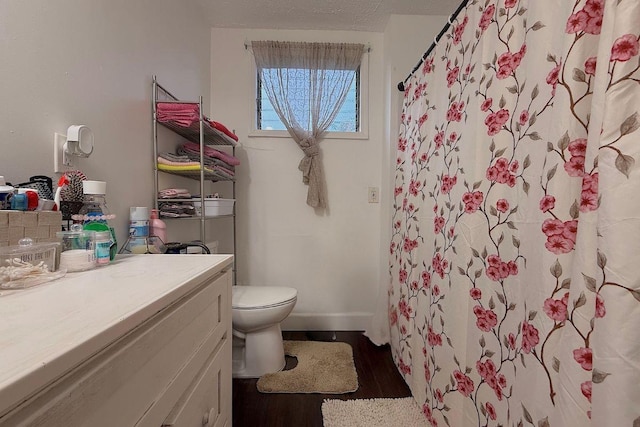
(177, 107)
(186, 114)
(225, 171)
(183, 114)
(185, 123)
(212, 152)
(222, 128)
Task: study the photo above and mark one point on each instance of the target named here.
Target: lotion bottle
(157, 227)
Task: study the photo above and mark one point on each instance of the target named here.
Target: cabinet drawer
(117, 385)
(206, 401)
(215, 344)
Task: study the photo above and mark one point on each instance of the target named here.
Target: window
(289, 72)
(347, 120)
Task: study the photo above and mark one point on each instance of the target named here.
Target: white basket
(215, 206)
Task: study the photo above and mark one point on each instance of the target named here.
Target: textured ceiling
(354, 15)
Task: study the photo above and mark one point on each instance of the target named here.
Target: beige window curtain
(307, 83)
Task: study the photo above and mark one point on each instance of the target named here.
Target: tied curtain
(514, 295)
(307, 83)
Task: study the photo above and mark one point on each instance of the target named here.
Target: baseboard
(327, 322)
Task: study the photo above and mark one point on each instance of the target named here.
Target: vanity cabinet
(160, 357)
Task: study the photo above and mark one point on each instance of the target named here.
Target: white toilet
(257, 338)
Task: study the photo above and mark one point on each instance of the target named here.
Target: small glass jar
(78, 252)
(102, 243)
(94, 214)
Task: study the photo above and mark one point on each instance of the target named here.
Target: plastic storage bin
(214, 206)
(32, 253)
(29, 264)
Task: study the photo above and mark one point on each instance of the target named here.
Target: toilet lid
(261, 296)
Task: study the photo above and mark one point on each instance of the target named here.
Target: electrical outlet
(59, 161)
(373, 195)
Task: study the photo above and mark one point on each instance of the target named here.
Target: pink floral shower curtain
(514, 293)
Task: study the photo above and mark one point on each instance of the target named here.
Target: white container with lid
(214, 206)
(139, 221)
(94, 187)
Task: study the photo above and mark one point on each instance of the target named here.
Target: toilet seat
(255, 297)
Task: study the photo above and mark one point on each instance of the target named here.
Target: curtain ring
(449, 19)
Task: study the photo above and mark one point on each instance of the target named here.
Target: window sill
(329, 135)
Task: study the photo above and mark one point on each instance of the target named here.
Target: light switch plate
(373, 195)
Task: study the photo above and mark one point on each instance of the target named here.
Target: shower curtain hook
(449, 19)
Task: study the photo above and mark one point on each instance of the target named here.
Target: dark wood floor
(377, 377)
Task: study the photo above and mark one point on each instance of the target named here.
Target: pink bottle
(157, 227)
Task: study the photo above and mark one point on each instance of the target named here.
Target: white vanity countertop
(47, 330)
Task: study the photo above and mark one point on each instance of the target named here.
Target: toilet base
(259, 353)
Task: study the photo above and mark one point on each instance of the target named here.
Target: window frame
(363, 109)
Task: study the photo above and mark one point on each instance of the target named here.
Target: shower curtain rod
(435, 41)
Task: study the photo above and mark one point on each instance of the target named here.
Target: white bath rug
(372, 413)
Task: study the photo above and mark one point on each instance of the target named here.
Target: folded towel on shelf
(178, 107)
(176, 210)
(222, 128)
(163, 161)
(194, 168)
(185, 122)
(211, 152)
(174, 157)
(174, 193)
(187, 114)
(223, 173)
(209, 161)
(183, 114)
(225, 170)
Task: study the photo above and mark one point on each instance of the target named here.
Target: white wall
(69, 62)
(330, 259)
(338, 262)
